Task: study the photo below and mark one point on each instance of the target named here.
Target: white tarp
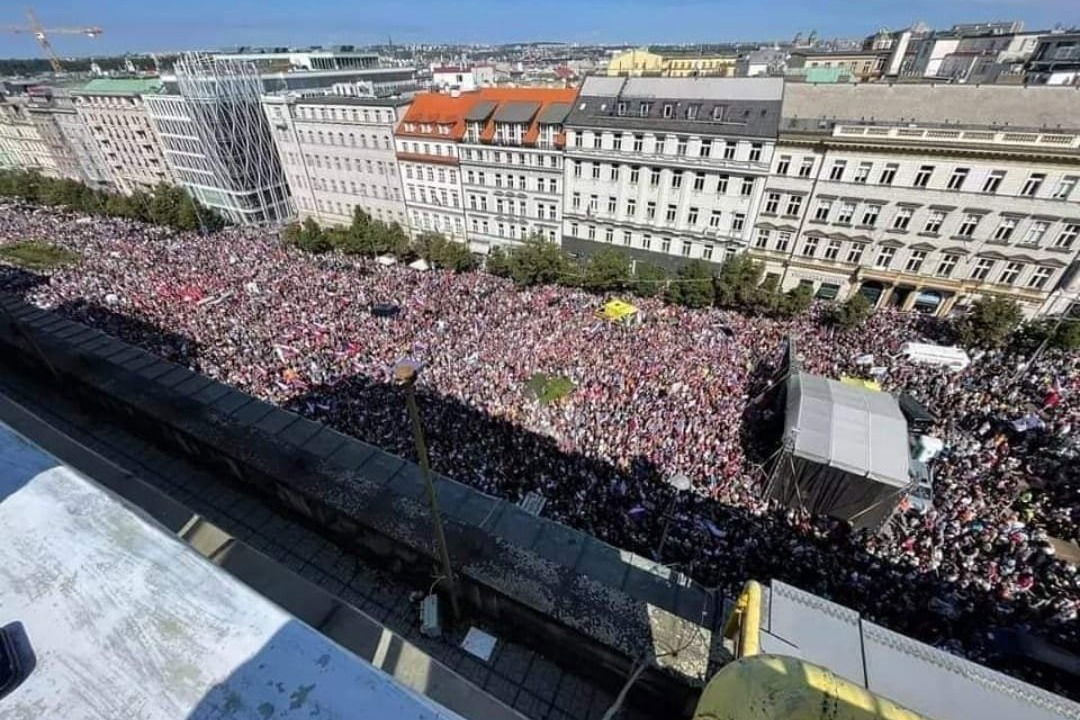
(948, 355)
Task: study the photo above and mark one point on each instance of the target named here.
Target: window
(718, 112)
(669, 110)
(671, 212)
(993, 181)
(737, 222)
(783, 241)
(665, 245)
(847, 211)
(705, 149)
(807, 167)
(575, 201)
(626, 237)
(967, 227)
(577, 168)
(822, 211)
(594, 203)
(902, 218)
(613, 173)
(1040, 277)
(810, 246)
(982, 268)
(870, 215)
(596, 171)
(762, 239)
(922, 178)
(721, 184)
(794, 206)
(888, 174)
(692, 111)
(1005, 230)
(687, 246)
(755, 152)
(1065, 187)
(646, 242)
(855, 253)
(946, 265)
(680, 147)
(885, 258)
(706, 252)
(639, 141)
(620, 109)
(862, 173)
(650, 211)
(1036, 232)
(631, 207)
(1010, 273)
(729, 150)
(676, 179)
(654, 178)
(714, 219)
(609, 235)
(832, 250)
(783, 165)
(635, 174)
(747, 188)
(592, 232)
(612, 203)
(1032, 185)
(934, 221)
(699, 182)
(1067, 236)
(915, 261)
(597, 140)
(956, 180)
(837, 171)
(772, 203)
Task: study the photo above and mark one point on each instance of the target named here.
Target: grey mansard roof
(750, 106)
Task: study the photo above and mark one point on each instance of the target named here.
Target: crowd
(649, 403)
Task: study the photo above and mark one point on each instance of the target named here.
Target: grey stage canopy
(844, 451)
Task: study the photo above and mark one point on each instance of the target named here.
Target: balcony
(943, 135)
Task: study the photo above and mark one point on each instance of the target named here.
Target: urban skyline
(132, 27)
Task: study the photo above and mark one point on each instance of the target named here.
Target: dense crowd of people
(650, 403)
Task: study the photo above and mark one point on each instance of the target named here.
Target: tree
(497, 262)
(794, 302)
(430, 246)
(311, 238)
(457, 257)
(851, 313)
(693, 286)
(738, 284)
(607, 270)
(649, 280)
(1064, 335)
(537, 261)
(990, 322)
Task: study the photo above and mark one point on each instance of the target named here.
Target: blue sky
(142, 25)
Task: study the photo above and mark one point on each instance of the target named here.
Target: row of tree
(167, 205)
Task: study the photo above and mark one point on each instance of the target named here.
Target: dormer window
(669, 110)
(620, 109)
(473, 132)
(692, 112)
(645, 108)
(718, 112)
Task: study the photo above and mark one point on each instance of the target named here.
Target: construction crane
(41, 34)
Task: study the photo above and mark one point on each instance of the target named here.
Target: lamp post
(405, 372)
(681, 483)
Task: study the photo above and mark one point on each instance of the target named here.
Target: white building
(924, 196)
(115, 111)
(21, 145)
(668, 168)
(338, 154)
(512, 165)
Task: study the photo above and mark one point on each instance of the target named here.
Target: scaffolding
(242, 175)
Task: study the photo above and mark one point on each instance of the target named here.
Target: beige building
(635, 62)
(114, 111)
(908, 194)
(338, 154)
(642, 62)
(857, 65)
(21, 143)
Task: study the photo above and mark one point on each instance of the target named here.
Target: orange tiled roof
(444, 109)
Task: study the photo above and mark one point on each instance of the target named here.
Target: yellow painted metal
(743, 626)
(775, 687)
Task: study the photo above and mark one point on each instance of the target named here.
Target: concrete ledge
(551, 585)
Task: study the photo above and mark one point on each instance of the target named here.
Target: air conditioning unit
(429, 617)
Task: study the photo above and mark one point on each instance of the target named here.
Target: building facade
(338, 154)
(115, 111)
(925, 205)
(21, 145)
(1055, 60)
(512, 165)
(72, 152)
(668, 169)
(853, 65)
(427, 143)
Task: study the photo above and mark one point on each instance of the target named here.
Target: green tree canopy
(1063, 335)
(497, 262)
(851, 313)
(738, 284)
(990, 322)
(649, 280)
(607, 270)
(537, 261)
(693, 286)
(794, 302)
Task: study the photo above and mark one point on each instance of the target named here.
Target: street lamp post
(681, 483)
(405, 373)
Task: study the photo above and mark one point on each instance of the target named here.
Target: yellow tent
(618, 311)
(861, 382)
